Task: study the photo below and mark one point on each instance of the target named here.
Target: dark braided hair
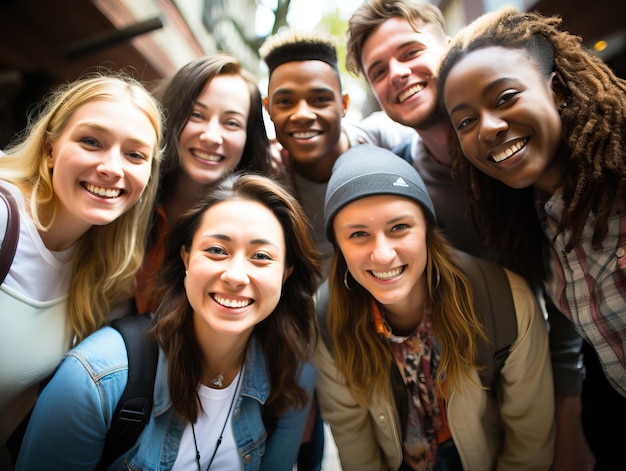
(592, 151)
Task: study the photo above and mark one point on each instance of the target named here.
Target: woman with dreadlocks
(545, 171)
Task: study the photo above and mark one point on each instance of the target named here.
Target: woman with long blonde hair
(83, 175)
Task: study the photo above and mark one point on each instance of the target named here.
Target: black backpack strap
(11, 234)
(133, 409)
(494, 302)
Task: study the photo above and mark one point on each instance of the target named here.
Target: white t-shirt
(36, 331)
(217, 412)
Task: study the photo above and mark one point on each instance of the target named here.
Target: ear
(345, 101)
(184, 254)
(287, 274)
(49, 151)
(559, 90)
(266, 104)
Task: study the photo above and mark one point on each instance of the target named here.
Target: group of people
(324, 277)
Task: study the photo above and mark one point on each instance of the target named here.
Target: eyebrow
(397, 48)
(484, 93)
(105, 129)
(390, 221)
(289, 91)
(226, 238)
(202, 105)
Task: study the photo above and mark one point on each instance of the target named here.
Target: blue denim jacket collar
(256, 383)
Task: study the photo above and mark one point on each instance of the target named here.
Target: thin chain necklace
(219, 440)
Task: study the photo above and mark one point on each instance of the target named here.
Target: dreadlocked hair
(592, 151)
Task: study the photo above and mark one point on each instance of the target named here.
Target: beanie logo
(400, 182)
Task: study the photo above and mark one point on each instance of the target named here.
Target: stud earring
(563, 105)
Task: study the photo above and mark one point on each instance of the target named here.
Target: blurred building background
(47, 42)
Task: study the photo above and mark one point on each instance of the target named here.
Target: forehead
(116, 115)
(385, 206)
(494, 61)
(397, 31)
(299, 75)
(241, 217)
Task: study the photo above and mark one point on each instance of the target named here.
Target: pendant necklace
(219, 440)
(219, 379)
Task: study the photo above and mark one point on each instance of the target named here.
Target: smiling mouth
(101, 191)
(415, 89)
(232, 303)
(305, 134)
(206, 156)
(506, 153)
(389, 274)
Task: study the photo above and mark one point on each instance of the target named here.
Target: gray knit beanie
(368, 170)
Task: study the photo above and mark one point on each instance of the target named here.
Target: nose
(398, 71)
(112, 164)
(235, 273)
(212, 133)
(383, 252)
(302, 111)
(491, 126)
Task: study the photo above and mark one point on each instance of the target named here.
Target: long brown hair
(287, 336)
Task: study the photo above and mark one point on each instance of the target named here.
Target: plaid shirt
(589, 286)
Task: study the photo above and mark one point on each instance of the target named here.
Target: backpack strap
(496, 309)
(133, 409)
(11, 234)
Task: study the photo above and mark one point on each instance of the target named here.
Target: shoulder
(101, 353)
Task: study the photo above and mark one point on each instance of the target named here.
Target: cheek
(235, 142)
(140, 176)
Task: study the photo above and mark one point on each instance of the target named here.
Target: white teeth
(387, 275)
(410, 92)
(305, 135)
(231, 302)
(500, 156)
(208, 157)
(105, 192)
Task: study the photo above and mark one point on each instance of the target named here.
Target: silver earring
(345, 280)
(563, 105)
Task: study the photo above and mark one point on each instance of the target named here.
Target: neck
(435, 139)
(64, 232)
(405, 316)
(320, 169)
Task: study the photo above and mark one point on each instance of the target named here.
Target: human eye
(377, 74)
(90, 142)
(322, 99)
(137, 155)
(233, 124)
(262, 256)
(506, 96)
(282, 101)
(464, 123)
(215, 250)
(413, 52)
(357, 234)
(195, 115)
(399, 227)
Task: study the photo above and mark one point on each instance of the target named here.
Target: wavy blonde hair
(106, 257)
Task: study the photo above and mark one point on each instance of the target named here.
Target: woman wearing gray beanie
(399, 367)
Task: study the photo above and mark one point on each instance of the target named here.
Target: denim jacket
(70, 421)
